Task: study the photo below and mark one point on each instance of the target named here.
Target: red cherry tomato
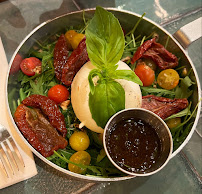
(29, 66)
(146, 74)
(58, 93)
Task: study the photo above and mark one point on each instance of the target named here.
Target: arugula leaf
(22, 95)
(37, 86)
(108, 98)
(187, 118)
(46, 61)
(40, 54)
(39, 83)
(182, 90)
(94, 169)
(104, 39)
(101, 155)
(136, 25)
(179, 114)
(157, 92)
(61, 158)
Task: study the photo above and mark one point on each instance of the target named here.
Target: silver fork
(10, 158)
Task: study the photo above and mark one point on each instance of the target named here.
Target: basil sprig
(105, 45)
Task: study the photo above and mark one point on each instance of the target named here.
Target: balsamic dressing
(133, 145)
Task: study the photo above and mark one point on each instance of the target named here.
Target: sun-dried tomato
(163, 107)
(76, 60)
(157, 53)
(50, 109)
(142, 49)
(61, 53)
(38, 131)
(20, 119)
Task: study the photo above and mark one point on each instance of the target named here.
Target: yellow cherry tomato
(80, 157)
(173, 122)
(168, 79)
(70, 34)
(79, 140)
(76, 40)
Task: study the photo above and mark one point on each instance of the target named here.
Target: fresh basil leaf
(92, 74)
(127, 75)
(108, 98)
(104, 39)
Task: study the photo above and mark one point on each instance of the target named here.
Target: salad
(54, 117)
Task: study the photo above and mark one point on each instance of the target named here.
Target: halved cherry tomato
(30, 66)
(168, 79)
(58, 93)
(145, 73)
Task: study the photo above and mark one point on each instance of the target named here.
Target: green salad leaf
(39, 83)
(93, 73)
(104, 39)
(105, 44)
(108, 98)
(182, 90)
(182, 113)
(127, 75)
(157, 92)
(102, 169)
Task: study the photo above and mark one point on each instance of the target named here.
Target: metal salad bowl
(127, 20)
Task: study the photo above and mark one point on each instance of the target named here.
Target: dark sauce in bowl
(133, 145)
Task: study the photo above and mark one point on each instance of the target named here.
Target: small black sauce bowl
(161, 129)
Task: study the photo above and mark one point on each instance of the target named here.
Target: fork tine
(3, 167)
(5, 160)
(10, 152)
(16, 151)
(6, 157)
